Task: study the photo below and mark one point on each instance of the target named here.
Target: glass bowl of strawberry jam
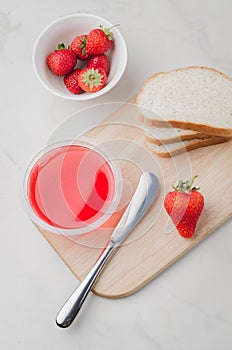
(72, 187)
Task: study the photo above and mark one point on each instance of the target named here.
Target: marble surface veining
(186, 308)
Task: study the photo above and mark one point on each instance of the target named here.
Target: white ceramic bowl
(64, 30)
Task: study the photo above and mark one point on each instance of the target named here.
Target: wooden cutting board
(154, 244)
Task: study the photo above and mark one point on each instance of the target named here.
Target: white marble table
(189, 305)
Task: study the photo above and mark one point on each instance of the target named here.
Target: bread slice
(173, 149)
(161, 136)
(196, 98)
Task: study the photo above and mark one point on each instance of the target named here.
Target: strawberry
(184, 205)
(99, 41)
(61, 61)
(99, 61)
(78, 46)
(71, 82)
(92, 80)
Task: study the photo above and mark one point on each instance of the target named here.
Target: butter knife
(141, 201)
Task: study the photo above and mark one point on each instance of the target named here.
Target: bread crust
(201, 143)
(203, 128)
(173, 139)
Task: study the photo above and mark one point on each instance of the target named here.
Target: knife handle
(73, 304)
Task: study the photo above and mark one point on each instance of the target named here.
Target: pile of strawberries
(90, 48)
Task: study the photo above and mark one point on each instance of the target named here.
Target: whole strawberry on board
(71, 82)
(99, 40)
(92, 80)
(99, 61)
(78, 46)
(184, 205)
(61, 61)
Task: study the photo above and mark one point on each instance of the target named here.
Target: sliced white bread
(161, 136)
(173, 149)
(196, 98)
